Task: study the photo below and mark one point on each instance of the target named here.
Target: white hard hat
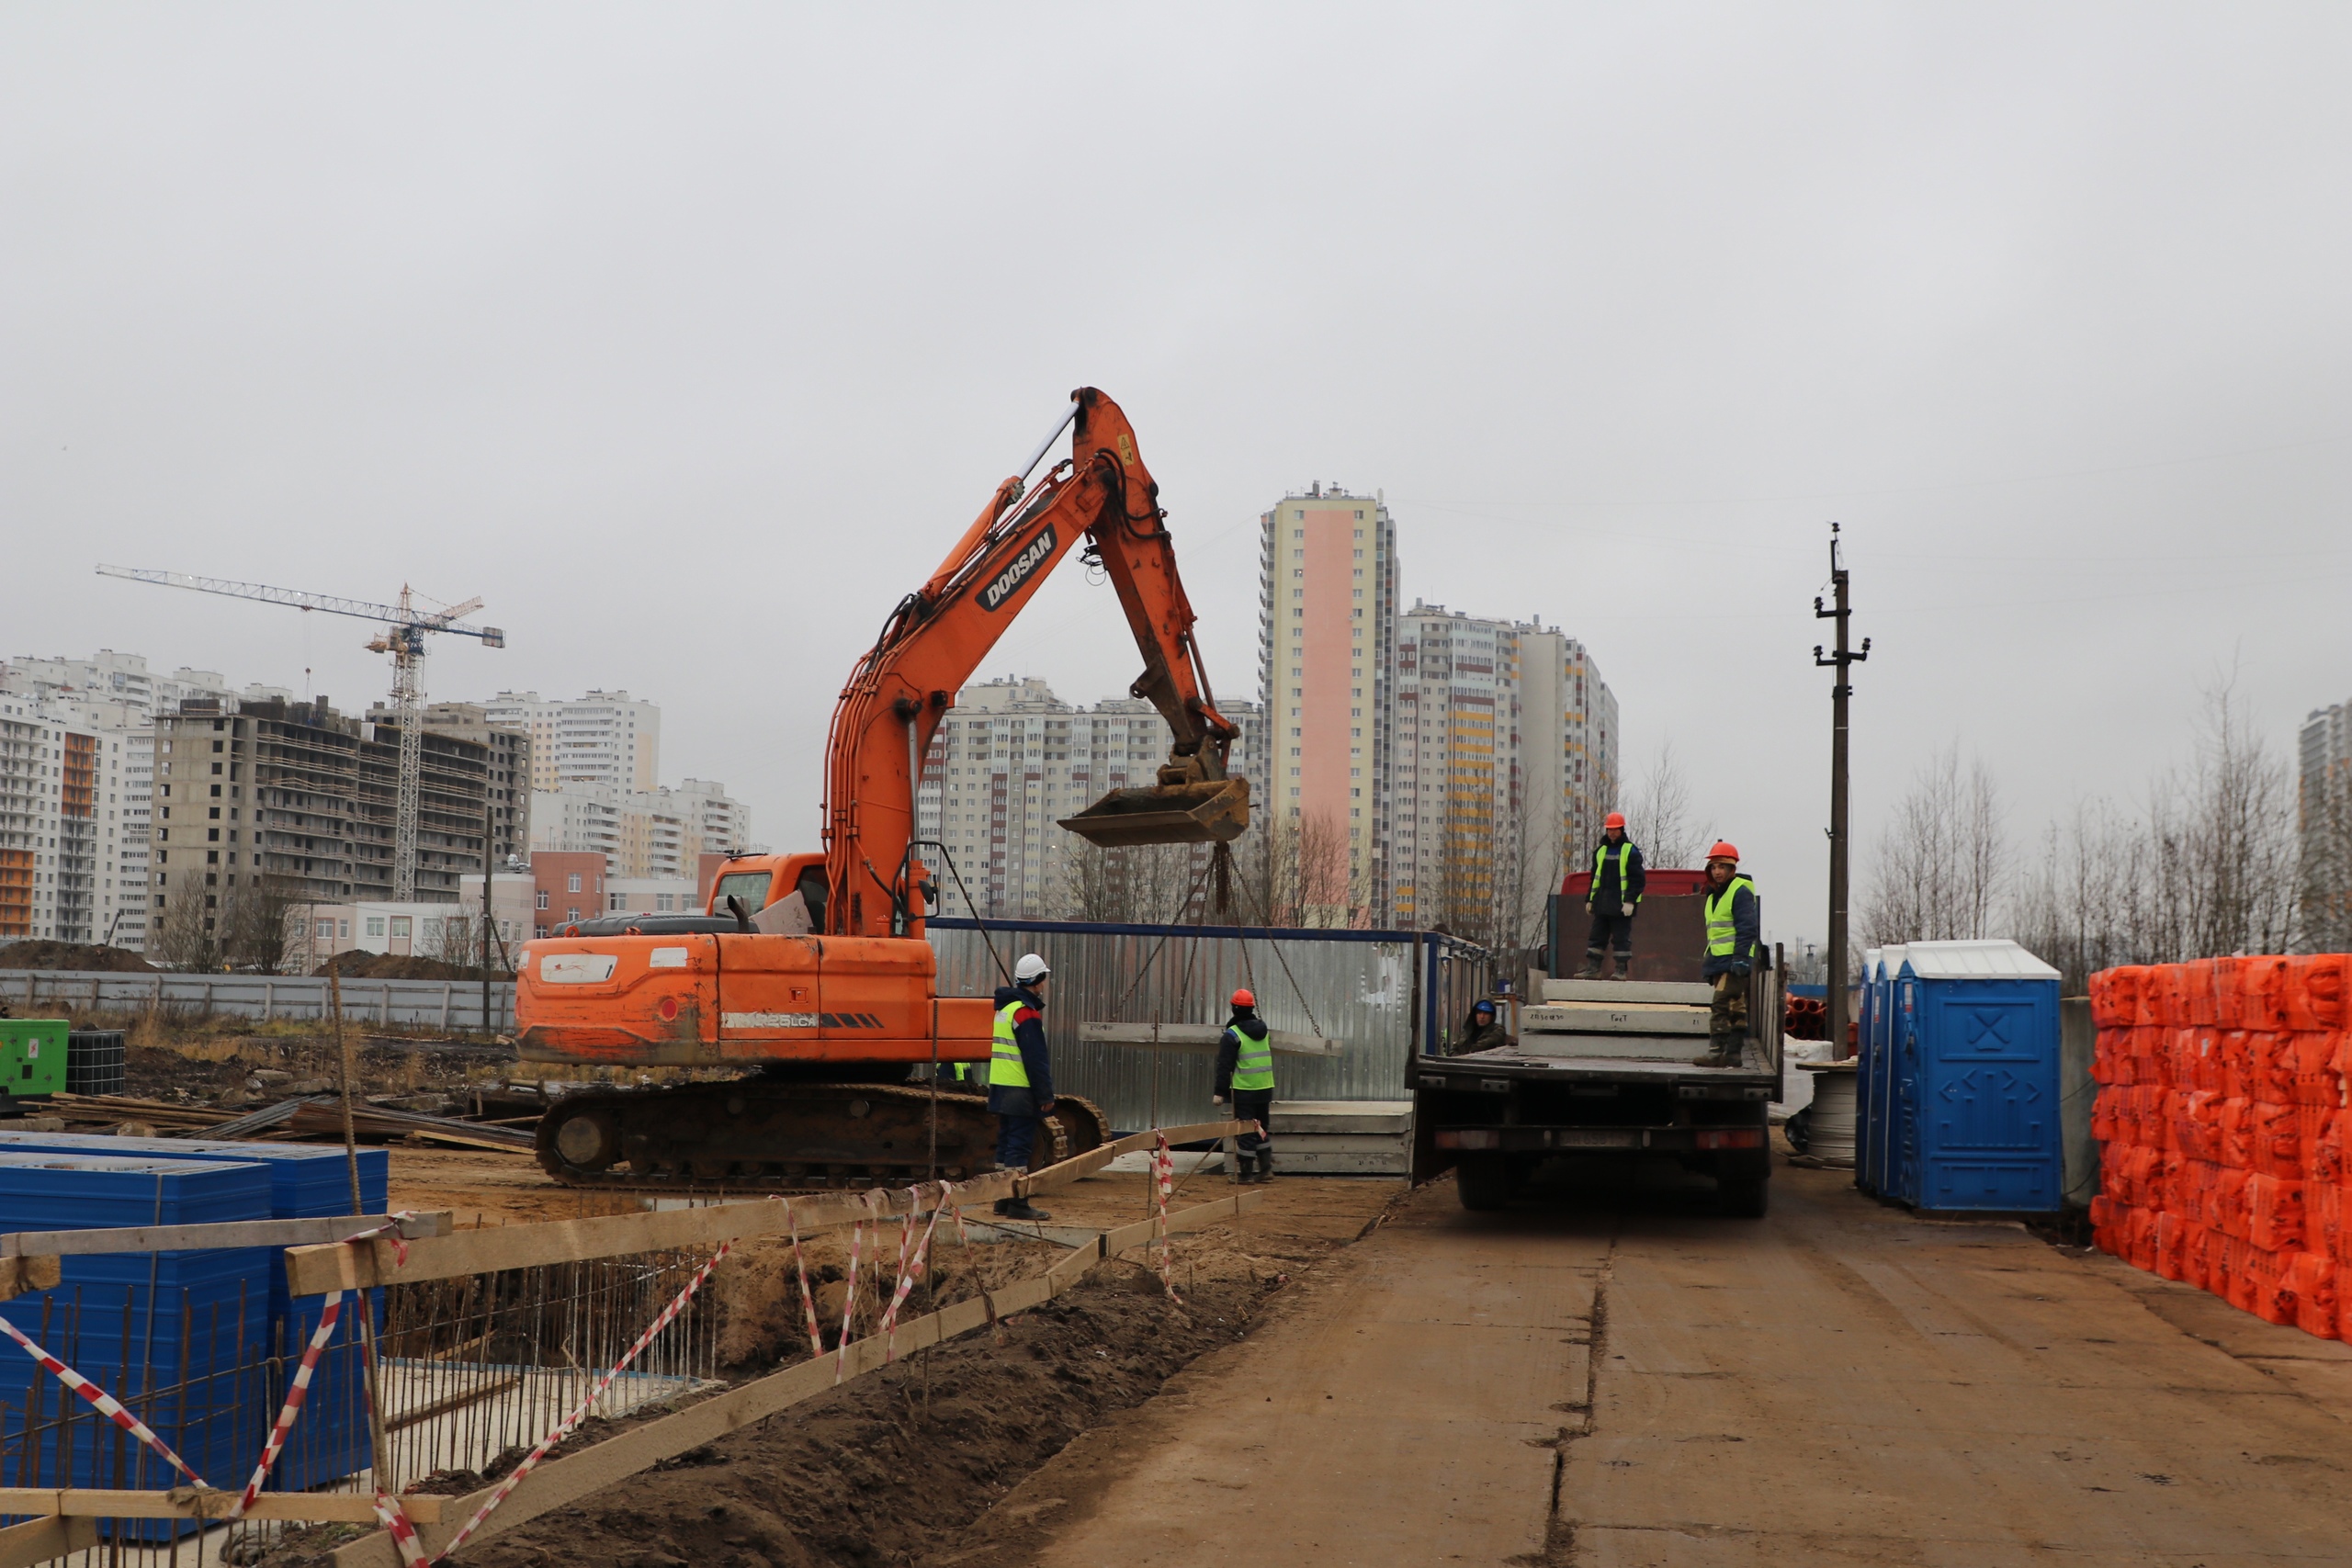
(1030, 967)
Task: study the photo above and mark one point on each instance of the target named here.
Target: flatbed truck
(1605, 1068)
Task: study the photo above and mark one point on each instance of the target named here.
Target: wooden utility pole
(1833, 971)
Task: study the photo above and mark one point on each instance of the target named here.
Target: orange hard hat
(1244, 998)
(1614, 819)
(1724, 850)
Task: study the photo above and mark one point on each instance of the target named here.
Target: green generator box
(32, 1058)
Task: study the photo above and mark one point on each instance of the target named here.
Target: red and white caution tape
(909, 1272)
(800, 1267)
(298, 1392)
(107, 1404)
(563, 1428)
(1163, 1172)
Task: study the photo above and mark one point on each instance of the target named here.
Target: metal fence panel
(1384, 994)
(428, 1004)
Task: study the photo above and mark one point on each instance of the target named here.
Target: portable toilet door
(1870, 1078)
(1987, 1023)
(1878, 1043)
(1903, 1088)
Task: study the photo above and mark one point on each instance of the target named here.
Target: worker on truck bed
(1245, 1070)
(1021, 1076)
(1730, 911)
(1616, 893)
(1481, 1031)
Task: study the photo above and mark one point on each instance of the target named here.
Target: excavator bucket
(1211, 813)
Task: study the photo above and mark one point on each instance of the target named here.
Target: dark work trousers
(1727, 1014)
(1015, 1137)
(1255, 1105)
(1610, 931)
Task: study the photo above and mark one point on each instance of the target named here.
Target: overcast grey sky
(689, 336)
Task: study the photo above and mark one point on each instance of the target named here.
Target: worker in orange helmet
(1730, 911)
(1245, 1073)
(1615, 894)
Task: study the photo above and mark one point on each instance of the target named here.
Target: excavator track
(759, 1135)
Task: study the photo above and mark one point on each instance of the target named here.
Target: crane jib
(1023, 565)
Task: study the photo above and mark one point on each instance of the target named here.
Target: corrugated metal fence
(431, 1004)
(1386, 994)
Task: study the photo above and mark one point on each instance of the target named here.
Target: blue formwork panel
(1972, 1119)
(176, 1335)
(306, 1181)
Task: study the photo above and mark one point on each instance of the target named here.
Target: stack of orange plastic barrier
(2221, 1116)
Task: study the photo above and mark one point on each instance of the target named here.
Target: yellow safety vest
(1721, 930)
(1253, 1067)
(1005, 1070)
(1600, 863)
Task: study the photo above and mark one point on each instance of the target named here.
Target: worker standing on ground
(1616, 893)
(1021, 1076)
(1730, 911)
(1245, 1072)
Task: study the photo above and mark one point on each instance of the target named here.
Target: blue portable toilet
(1971, 1097)
(174, 1336)
(1869, 1079)
(306, 1181)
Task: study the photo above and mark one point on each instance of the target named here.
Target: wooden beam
(566, 1481)
(41, 1540)
(229, 1233)
(1200, 1037)
(98, 1503)
(310, 1270)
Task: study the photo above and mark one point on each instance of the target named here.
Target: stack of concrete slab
(1343, 1137)
(1621, 1019)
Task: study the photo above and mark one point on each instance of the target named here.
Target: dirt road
(1840, 1383)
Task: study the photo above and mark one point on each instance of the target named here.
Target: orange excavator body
(819, 961)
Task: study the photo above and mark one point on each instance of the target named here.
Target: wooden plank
(99, 1503)
(40, 1541)
(233, 1233)
(310, 1270)
(1201, 1037)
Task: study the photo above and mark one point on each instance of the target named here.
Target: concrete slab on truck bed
(1619, 993)
(1600, 1017)
(1531, 1060)
(1344, 1116)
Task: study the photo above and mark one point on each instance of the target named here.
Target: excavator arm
(1102, 503)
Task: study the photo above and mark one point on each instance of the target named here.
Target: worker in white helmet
(1021, 1076)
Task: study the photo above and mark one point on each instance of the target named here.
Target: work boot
(1022, 1209)
(1592, 970)
(1624, 967)
(1265, 1165)
(1721, 1052)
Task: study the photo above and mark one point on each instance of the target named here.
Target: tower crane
(405, 626)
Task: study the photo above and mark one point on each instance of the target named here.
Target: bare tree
(1661, 819)
(1146, 884)
(1941, 864)
(1292, 871)
(182, 940)
(256, 923)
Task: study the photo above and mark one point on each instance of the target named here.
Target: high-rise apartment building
(66, 827)
(1009, 760)
(605, 737)
(1326, 670)
(1505, 754)
(654, 833)
(109, 676)
(2324, 814)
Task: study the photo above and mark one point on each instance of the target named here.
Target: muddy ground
(893, 1468)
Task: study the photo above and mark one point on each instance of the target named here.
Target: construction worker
(1730, 912)
(1482, 1030)
(1245, 1072)
(1616, 893)
(1021, 1078)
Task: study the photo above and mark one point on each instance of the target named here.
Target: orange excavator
(811, 973)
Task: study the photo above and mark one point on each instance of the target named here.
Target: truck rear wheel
(1483, 1181)
(1743, 1197)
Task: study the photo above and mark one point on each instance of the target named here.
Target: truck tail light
(1732, 1138)
(1471, 1138)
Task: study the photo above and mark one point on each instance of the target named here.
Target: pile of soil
(71, 955)
(357, 966)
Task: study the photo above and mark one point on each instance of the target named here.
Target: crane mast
(403, 637)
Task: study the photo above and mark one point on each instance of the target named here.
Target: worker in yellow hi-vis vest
(1245, 1074)
(1021, 1076)
(1614, 899)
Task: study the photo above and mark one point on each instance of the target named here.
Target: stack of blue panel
(174, 1336)
(307, 1181)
